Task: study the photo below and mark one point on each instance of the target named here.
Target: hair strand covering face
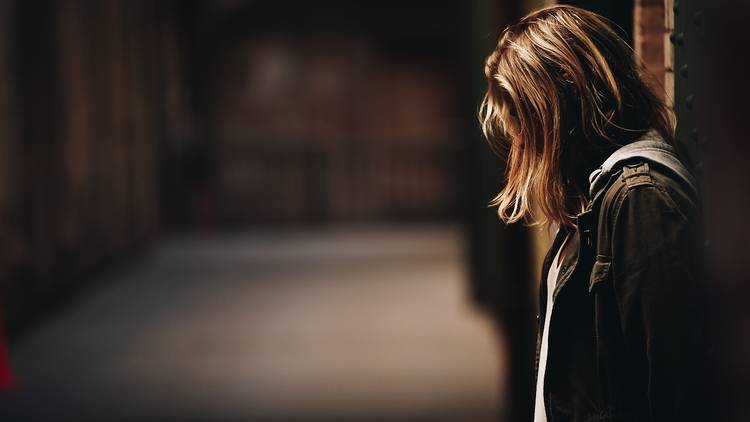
(561, 83)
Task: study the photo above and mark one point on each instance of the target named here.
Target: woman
(590, 148)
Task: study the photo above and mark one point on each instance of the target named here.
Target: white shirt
(540, 414)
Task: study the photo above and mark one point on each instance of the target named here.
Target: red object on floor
(7, 379)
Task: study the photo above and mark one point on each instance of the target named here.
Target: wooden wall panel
(10, 254)
(79, 137)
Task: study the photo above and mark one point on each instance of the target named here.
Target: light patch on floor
(356, 323)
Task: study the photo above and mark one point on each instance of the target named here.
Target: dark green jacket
(628, 334)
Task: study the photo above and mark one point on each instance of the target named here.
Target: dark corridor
(278, 211)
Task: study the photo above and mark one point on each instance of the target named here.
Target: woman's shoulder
(649, 189)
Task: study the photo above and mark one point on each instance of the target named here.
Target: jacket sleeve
(657, 284)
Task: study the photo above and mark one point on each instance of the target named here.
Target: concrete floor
(345, 324)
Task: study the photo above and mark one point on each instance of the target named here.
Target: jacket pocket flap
(600, 271)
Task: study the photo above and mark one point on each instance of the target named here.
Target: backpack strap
(651, 147)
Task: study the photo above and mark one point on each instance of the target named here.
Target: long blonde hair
(564, 90)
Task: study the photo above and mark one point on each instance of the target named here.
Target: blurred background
(277, 211)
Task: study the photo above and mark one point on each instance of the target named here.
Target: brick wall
(652, 24)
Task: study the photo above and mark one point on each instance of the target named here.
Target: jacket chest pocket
(600, 271)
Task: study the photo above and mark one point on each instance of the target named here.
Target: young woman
(591, 149)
